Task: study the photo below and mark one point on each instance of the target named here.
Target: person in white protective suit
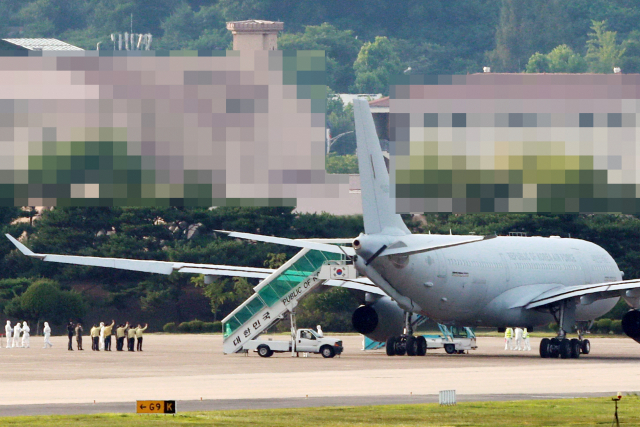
(525, 337)
(16, 335)
(508, 339)
(8, 330)
(518, 333)
(25, 335)
(320, 333)
(47, 335)
(101, 341)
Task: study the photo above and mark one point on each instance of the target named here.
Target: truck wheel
(327, 352)
(450, 348)
(264, 351)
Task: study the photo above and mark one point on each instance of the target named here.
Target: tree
(631, 60)
(340, 121)
(44, 300)
(538, 63)
(342, 164)
(561, 59)
(202, 30)
(341, 48)
(376, 63)
(603, 53)
(524, 28)
(221, 291)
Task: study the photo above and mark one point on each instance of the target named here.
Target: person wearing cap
(95, 336)
(131, 339)
(120, 335)
(107, 336)
(139, 331)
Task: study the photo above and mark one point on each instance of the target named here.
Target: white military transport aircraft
(456, 280)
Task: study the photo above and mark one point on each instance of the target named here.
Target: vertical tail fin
(378, 208)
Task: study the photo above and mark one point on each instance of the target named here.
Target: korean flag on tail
(339, 272)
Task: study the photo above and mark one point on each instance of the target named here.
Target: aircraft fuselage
(487, 283)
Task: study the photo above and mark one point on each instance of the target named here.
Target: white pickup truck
(307, 341)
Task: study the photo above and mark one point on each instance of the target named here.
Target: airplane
(490, 281)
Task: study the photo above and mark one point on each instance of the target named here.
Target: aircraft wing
(161, 267)
(360, 284)
(300, 243)
(587, 293)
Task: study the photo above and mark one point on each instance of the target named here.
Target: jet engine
(631, 324)
(379, 320)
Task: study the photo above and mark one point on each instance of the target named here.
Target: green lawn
(565, 412)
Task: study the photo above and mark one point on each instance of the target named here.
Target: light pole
(331, 141)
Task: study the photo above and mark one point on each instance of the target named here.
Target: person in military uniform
(70, 331)
(139, 331)
(131, 335)
(120, 336)
(79, 331)
(95, 336)
(107, 336)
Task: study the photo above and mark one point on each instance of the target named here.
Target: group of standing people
(101, 336)
(516, 339)
(17, 336)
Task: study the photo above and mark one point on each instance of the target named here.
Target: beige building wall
(255, 34)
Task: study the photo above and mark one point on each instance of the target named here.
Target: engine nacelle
(379, 320)
(631, 325)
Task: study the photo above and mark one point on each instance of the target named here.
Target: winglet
(22, 248)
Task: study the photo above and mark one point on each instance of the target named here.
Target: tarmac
(192, 370)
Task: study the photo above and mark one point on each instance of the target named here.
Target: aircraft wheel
(450, 348)
(554, 348)
(565, 349)
(401, 348)
(575, 348)
(585, 347)
(391, 346)
(544, 348)
(412, 346)
(264, 351)
(422, 346)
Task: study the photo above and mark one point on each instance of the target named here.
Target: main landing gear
(406, 343)
(561, 346)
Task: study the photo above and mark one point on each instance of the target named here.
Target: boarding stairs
(278, 295)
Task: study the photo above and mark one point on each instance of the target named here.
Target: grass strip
(561, 412)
